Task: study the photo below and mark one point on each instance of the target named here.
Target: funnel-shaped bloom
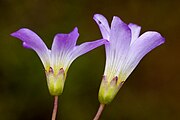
(123, 52)
(57, 60)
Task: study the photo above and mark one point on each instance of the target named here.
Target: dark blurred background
(151, 92)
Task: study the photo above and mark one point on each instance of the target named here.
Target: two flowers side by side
(124, 47)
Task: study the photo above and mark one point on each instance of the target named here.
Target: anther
(51, 70)
(61, 71)
(114, 81)
(120, 85)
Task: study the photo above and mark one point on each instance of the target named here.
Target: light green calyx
(55, 81)
(108, 90)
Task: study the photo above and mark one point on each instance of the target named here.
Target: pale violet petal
(120, 35)
(103, 25)
(135, 31)
(120, 38)
(26, 45)
(66, 41)
(86, 47)
(33, 41)
(62, 47)
(144, 44)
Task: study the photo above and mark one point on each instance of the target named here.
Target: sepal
(55, 81)
(108, 90)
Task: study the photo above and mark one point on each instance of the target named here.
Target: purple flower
(123, 52)
(57, 60)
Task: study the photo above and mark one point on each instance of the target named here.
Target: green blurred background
(151, 92)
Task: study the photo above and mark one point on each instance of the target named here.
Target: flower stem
(55, 108)
(99, 112)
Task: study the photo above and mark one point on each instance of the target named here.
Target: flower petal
(62, 46)
(120, 35)
(86, 47)
(67, 41)
(103, 25)
(33, 41)
(144, 44)
(135, 31)
(120, 38)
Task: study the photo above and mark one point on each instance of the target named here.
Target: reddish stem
(99, 112)
(55, 108)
